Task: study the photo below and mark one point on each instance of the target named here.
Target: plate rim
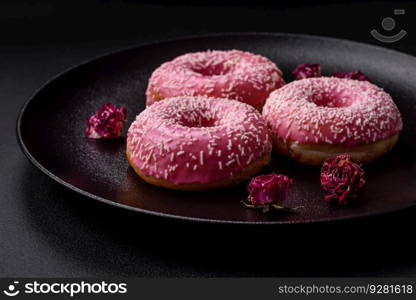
(84, 193)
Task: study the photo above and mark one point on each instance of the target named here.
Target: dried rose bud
(107, 122)
(356, 75)
(268, 191)
(306, 71)
(341, 178)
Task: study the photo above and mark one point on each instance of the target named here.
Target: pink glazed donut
(315, 118)
(232, 74)
(198, 143)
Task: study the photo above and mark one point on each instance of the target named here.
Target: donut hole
(205, 69)
(197, 118)
(332, 99)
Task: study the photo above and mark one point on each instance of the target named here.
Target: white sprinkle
(250, 158)
(229, 162)
(201, 158)
(230, 144)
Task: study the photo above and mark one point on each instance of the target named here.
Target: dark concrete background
(47, 230)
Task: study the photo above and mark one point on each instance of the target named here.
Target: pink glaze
(329, 110)
(197, 139)
(232, 74)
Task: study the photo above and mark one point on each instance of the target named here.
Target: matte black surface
(48, 230)
(51, 130)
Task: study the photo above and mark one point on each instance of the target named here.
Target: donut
(198, 143)
(232, 74)
(315, 118)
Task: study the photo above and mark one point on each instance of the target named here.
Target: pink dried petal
(306, 71)
(341, 178)
(356, 75)
(269, 189)
(108, 122)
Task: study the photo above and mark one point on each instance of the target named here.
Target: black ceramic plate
(51, 131)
